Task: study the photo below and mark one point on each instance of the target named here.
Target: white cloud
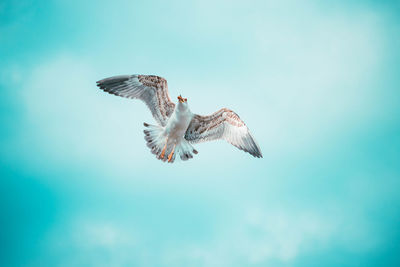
(279, 235)
(91, 242)
(260, 237)
(255, 236)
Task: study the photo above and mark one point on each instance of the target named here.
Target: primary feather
(151, 89)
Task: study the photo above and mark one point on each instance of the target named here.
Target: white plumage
(177, 126)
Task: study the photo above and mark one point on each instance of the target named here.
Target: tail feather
(154, 138)
(157, 142)
(185, 150)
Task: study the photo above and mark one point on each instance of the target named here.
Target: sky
(317, 83)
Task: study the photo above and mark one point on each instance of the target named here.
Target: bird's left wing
(223, 124)
(151, 89)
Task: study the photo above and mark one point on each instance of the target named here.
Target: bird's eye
(185, 99)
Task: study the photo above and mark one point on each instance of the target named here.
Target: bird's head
(181, 99)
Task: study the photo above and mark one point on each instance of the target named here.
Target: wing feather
(151, 89)
(223, 124)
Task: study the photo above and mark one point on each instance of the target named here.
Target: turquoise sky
(317, 83)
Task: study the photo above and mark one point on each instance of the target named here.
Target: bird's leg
(171, 154)
(165, 147)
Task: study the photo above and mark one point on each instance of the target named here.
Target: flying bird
(178, 128)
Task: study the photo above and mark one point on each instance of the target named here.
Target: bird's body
(178, 122)
(177, 126)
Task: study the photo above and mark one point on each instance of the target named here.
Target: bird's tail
(156, 140)
(163, 148)
(185, 150)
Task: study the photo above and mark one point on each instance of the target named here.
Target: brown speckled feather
(223, 124)
(151, 89)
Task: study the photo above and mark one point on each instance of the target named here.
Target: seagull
(178, 128)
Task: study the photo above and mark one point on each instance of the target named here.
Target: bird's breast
(178, 124)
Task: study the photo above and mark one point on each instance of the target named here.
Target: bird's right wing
(151, 89)
(223, 124)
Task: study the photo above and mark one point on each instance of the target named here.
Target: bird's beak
(181, 99)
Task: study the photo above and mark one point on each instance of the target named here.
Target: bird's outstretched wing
(223, 124)
(151, 89)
